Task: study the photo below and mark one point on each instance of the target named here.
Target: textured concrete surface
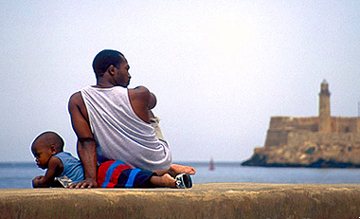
(217, 200)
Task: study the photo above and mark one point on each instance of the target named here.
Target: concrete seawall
(216, 200)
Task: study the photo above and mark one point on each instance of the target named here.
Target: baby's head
(44, 146)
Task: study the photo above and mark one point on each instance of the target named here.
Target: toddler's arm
(54, 169)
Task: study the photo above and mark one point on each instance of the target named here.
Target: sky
(219, 69)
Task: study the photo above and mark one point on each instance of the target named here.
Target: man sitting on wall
(113, 122)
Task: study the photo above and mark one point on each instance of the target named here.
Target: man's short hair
(104, 59)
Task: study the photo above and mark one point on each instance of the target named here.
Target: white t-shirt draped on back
(119, 133)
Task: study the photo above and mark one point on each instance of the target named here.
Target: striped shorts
(117, 174)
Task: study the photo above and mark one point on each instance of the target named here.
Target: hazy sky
(220, 69)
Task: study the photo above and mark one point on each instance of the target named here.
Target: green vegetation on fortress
(322, 141)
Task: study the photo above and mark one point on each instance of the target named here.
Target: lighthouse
(324, 108)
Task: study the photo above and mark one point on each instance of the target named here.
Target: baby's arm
(54, 169)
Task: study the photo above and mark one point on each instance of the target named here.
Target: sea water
(234, 172)
(19, 175)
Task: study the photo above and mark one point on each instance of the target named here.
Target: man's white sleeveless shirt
(119, 133)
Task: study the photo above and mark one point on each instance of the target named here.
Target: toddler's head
(44, 146)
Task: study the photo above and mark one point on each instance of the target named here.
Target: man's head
(44, 146)
(113, 66)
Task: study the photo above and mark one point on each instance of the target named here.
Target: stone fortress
(322, 141)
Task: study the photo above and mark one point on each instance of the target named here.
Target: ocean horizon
(20, 174)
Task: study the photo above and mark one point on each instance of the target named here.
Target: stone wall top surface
(216, 200)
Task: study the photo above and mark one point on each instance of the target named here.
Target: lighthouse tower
(324, 108)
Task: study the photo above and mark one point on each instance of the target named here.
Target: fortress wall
(290, 123)
(277, 134)
(216, 200)
(281, 126)
(338, 124)
(344, 124)
(306, 123)
(298, 138)
(340, 139)
(276, 138)
(303, 129)
(279, 122)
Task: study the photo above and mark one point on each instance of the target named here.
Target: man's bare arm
(152, 101)
(86, 146)
(142, 101)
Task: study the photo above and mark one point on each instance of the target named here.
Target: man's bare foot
(163, 181)
(176, 169)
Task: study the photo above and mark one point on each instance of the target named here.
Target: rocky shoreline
(258, 160)
(306, 155)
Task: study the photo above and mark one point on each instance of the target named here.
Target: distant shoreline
(320, 163)
(197, 163)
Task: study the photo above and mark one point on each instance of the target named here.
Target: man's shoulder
(76, 103)
(75, 98)
(139, 91)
